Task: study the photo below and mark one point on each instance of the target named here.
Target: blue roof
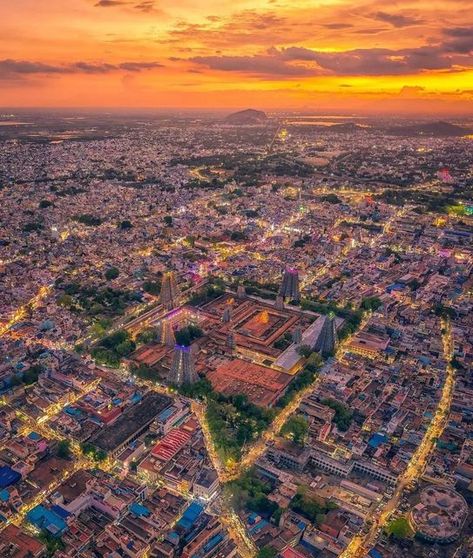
(166, 413)
(373, 553)
(213, 542)
(190, 515)
(34, 436)
(139, 510)
(4, 495)
(377, 439)
(43, 518)
(8, 476)
(61, 512)
(135, 398)
(193, 511)
(260, 525)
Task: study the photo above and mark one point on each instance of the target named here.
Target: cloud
(337, 25)
(411, 89)
(397, 20)
(260, 65)
(11, 69)
(243, 28)
(145, 6)
(300, 61)
(460, 39)
(110, 3)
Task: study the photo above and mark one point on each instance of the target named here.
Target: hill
(437, 129)
(248, 116)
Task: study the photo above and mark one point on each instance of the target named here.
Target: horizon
(411, 58)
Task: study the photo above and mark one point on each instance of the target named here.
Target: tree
(331, 198)
(31, 375)
(304, 351)
(267, 552)
(371, 303)
(314, 362)
(147, 335)
(296, 429)
(43, 204)
(152, 287)
(167, 220)
(64, 449)
(52, 543)
(399, 528)
(343, 415)
(186, 335)
(88, 220)
(112, 273)
(125, 225)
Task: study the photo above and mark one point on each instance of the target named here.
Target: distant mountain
(248, 116)
(437, 129)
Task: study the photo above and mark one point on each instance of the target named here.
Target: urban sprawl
(224, 338)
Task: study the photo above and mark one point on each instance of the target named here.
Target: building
(206, 484)
(327, 340)
(440, 514)
(262, 385)
(14, 543)
(167, 336)
(290, 285)
(131, 424)
(169, 294)
(182, 367)
(287, 455)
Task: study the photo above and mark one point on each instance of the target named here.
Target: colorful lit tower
(327, 340)
(290, 285)
(169, 294)
(182, 367)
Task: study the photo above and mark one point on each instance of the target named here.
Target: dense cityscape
(235, 335)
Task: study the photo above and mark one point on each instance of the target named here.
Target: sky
(347, 56)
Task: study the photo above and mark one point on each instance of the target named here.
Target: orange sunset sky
(339, 55)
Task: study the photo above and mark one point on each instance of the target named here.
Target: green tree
(399, 528)
(343, 415)
(52, 543)
(64, 449)
(371, 303)
(168, 220)
(125, 225)
(88, 220)
(267, 552)
(296, 429)
(112, 273)
(304, 351)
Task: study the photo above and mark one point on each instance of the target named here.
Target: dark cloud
(397, 20)
(9, 69)
(337, 25)
(459, 32)
(300, 61)
(110, 3)
(263, 65)
(460, 39)
(146, 7)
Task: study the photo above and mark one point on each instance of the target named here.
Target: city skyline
(368, 57)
